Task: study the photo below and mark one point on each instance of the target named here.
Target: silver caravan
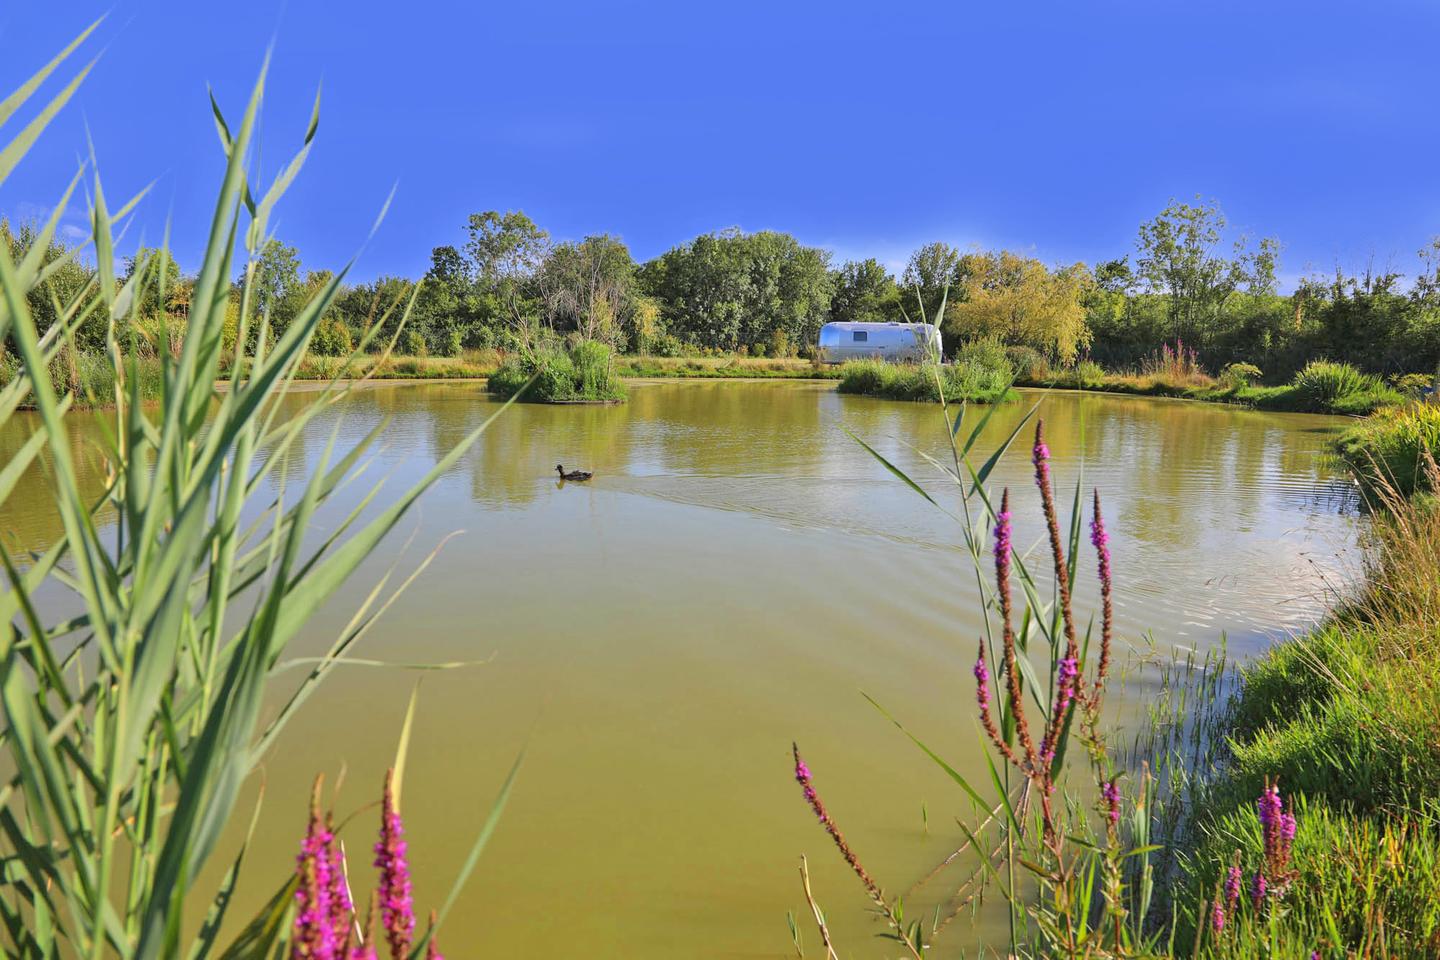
(898, 342)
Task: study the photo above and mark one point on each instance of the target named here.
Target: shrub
(449, 344)
(412, 344)
(1177, 364)
(583, 373)
(1028, 363)
(1414, 385)
(1089, 375)
(963, 380)
(988, 352)
(592, 363)
(332, 339)
(1238, 376)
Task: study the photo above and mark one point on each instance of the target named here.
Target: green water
(736, 574)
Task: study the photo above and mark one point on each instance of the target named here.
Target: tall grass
(133, 718)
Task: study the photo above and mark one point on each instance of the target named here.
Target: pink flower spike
(397, 911)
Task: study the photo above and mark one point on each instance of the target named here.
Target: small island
(551, 374)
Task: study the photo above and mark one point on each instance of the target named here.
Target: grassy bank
(1347, 718)
(963, 380)
(1394, 449)
(726, 367)
(1322, 387)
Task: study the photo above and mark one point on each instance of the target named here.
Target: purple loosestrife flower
(1110, 791)
(342, 911)
(397, 912)
(1002, 541)
(1217, 917)
(1101, 541)
(802, 776)
(320, 927)
(1258, 889)
(1040, 456)
(1278, 830)
(982, 699)
(982, 681)
(1232, 888)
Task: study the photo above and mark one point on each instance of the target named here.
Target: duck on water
(576, 475)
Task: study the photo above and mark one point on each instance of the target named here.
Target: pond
(736, 574)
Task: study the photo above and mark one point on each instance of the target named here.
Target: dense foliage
(550, 374)
(509, 285)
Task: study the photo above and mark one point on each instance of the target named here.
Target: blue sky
(1050, 128)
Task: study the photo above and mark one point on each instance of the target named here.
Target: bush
(1414, 385)
(1028, 363)
(583, 373)
(331, 339)
(1238, 376)
(1089, 375)
(592, 364)
(449, 343)
(988, 352)
(967, 380)
(412, 344)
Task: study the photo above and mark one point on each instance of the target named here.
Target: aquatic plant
(550, 374)
(326, 925)
(136, 651)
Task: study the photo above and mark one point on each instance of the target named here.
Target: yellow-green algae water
(738, 571)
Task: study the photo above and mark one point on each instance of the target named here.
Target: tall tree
(590, 287)
(506, 251)
(277, 277)
(864, 292)
(932, 269)
(1020, 301)
(1179, 257)
(762, 291)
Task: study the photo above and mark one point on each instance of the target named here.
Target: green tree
(864, 293)
(1179, 258)
(1020, 301)
(277, 278)
(589, 287)
(730, 289)
(68, 278)
(506, 252)
(931, 270)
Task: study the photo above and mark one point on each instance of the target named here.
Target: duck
(577, 475)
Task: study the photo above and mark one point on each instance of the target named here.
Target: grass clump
(1394, 447)
(585, 373)
(967, 379)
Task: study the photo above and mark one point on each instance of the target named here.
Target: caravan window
(861, 336)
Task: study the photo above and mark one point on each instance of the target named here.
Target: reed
(133, 718)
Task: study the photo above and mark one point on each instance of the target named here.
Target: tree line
(508, 284)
